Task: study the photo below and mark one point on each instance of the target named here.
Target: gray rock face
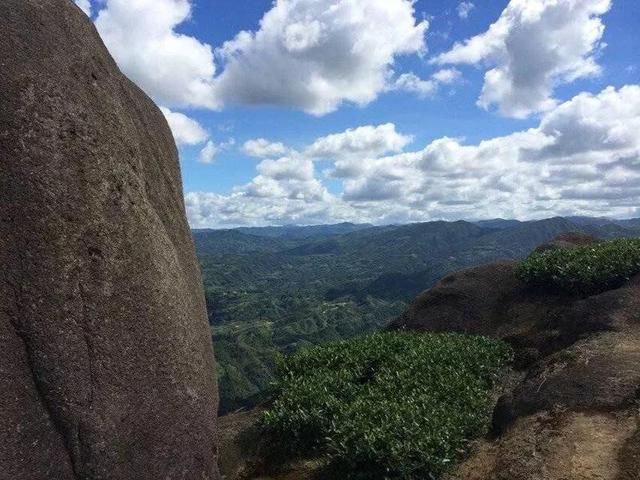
(106, 363)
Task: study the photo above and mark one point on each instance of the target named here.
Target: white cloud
(551, 169)
(210, 209)
(175, 69)
(287, 168)
(186, 131)
(464, 9)
(208, 153)
(85, 5)
(447, 76)
(360, 142)
(263, 148)
(287, 190)
(582, 158)
(589, 124)
(533, 47)
(410, 82)
(211, 150)
(287, 180)
(311, 55)
(316, 54)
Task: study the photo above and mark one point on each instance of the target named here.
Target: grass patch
(585, 269)
(388, 405)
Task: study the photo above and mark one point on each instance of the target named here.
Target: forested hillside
(273, 289)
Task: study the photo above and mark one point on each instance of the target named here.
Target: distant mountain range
(302, 232)
(298, 233)
(272, 289)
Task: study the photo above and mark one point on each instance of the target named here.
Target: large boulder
(106, 359)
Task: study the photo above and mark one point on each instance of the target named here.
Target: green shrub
(585, 269)
(388, 405)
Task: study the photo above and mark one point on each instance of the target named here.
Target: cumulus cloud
(85, 5)
(582, 158)
(464, 9)
(287, 179)
(175, 69)
(186, 131)
(545, 169)
(311, 55)
(316, 54)
(590, 124)
(410, 82)
(208, 153)
(287, 189)
(211, 150)
(263, 148)
(287, 168)
(368, 140)
(533, 47)
(211, 209)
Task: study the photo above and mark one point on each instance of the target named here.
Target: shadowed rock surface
(105, 353)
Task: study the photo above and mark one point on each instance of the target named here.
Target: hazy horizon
(485, 220)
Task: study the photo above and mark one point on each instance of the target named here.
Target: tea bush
(389, 405)
(585, 269)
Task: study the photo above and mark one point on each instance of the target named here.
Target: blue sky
(535, 117)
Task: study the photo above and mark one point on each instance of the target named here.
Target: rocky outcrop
(567, 240)
(574, 414)
(490, 300)
(105, 354)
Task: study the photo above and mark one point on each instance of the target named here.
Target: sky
(390, 111)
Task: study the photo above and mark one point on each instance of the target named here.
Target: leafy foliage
(584, 269)
(387, 405)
